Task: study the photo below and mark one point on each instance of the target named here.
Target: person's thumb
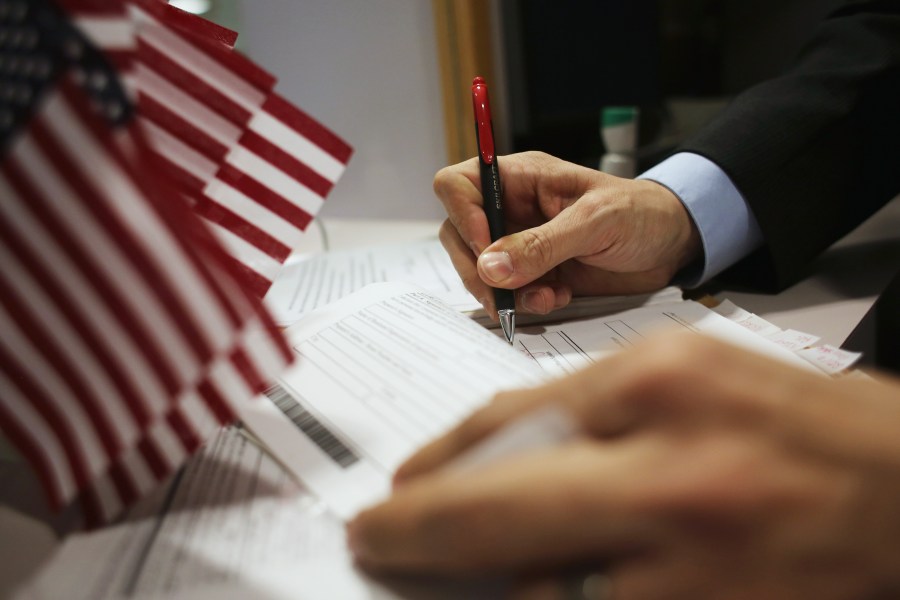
(520, 258)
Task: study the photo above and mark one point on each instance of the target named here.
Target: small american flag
(255, 167)
(128, 333)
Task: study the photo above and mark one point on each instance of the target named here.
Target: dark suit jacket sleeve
(817, 150)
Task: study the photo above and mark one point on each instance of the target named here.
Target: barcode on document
(311, 427)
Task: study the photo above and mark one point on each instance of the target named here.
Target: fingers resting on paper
(693, 453)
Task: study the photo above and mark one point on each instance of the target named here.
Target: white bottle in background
(619, 129)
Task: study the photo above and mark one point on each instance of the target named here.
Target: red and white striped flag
(254, 166)
(128, 334)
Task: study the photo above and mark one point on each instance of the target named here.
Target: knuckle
(664, 363)
(448, 525)
(447, 233)
(441, 179)
(536, 247)
(536, 155)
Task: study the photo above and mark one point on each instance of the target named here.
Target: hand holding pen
(492, 192)
(570, 230)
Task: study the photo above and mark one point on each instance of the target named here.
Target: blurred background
(393, 76)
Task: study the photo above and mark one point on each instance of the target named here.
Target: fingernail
(562, 298)
(497, 266)
(533, 302)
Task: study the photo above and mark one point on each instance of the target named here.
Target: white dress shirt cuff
(728, 229)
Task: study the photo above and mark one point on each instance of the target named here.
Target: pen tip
(478, 80)
(508, 324)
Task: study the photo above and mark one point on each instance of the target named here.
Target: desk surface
(830, 304)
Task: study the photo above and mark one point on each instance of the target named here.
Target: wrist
(685, 243)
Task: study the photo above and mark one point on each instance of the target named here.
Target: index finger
(596, 383)
(673, 378)
(458, 188)
(542, 507)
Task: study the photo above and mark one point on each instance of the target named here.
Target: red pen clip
(483, 120)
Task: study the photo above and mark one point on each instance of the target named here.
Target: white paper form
(307, 282)
(380, 373)
(565, 347)
(386, 370)
(231, 516)
(232, 524)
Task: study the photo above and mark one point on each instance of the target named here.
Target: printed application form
(384, 371)
(308, 282)
(232, 524)
(563, 348)
(387, 369)
(232, 517)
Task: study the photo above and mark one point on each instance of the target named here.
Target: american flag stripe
(41, 433)
(93, 173)
(257, 268)
(124, 484)
(246, 367)
(281, 213)
(60, 373)
(49, 333)
(288, 163)
(196, 414)
(232, 221)
(254, 281)
(26, 428)
(171, 98)
(95, 319)
(151, 245)
(67, 428)
(55, 389)
(291, 127)
(90, 427)
(278, 158)
(195, 39)
(277, 182)
(146, 221)
(190, 167)
(127, 317)
(261, 263)
(198, 74)
(112, 253)
(117, 32)
(163, 125)
(181, 433)
(162, 438)
(55, 298)
(185, 21)
(107, 21)
(129, 332)
(226, 205)
(63, 389)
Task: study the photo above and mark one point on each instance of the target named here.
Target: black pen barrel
(492, 192)
(505, 299)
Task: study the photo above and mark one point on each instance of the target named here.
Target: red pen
(492, 192)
